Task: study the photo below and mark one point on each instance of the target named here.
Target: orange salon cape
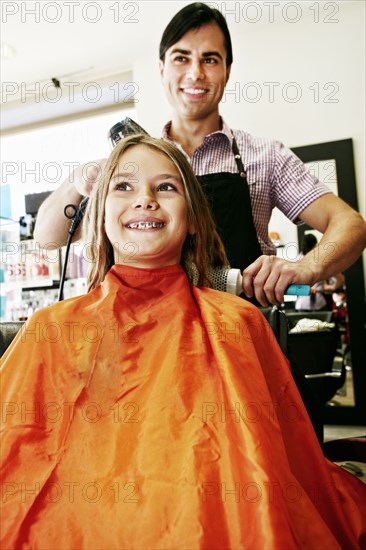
(152, 414)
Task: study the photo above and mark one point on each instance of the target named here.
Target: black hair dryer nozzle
(126, 127)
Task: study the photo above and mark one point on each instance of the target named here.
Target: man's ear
(228, 70)
(161, 67)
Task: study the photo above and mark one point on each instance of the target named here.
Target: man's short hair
(192, 17)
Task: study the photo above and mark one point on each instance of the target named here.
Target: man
(243, 177)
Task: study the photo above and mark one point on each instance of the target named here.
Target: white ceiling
(65, 42)
(85, 39)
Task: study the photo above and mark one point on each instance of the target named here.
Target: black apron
(229, 199)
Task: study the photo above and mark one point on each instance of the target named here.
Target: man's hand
(268, 277)
(85, 176)
(51, 230)
(344, 238)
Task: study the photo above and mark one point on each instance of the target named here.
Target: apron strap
(237, 157)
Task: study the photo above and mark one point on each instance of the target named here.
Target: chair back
(8, 331)
(278, 322)
(317, 354)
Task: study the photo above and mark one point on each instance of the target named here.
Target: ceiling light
(7, 51)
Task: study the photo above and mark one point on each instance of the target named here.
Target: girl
(152, 413)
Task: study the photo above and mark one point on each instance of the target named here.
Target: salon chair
(278, 322)
(300, 351)
(318, 354)
(350, 448)
(8, 331)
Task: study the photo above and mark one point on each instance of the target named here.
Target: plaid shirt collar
(225, 131)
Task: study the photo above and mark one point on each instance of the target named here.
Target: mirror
(332, 163)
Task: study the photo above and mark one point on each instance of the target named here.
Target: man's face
(194, 72)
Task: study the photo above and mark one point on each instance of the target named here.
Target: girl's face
(146, 209)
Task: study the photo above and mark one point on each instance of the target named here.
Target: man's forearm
(340, 246)
(52, 226)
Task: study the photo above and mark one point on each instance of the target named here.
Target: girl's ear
(191, 229)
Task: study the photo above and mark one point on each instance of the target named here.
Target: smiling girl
(149, 211)
(152, 413)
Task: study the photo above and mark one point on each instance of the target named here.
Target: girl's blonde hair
(200, 252)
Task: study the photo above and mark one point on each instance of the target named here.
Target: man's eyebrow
(204, 54)
(212, 54)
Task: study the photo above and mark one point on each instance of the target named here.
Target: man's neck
(190, 134)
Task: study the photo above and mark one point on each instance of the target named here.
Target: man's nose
(195, 70)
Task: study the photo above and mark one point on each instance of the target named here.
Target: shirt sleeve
(293, 186)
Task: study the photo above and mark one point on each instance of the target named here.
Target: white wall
(324, 47)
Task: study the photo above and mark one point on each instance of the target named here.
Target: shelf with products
(41, 284)
(9, 245)
(25, 263)
(30, 277)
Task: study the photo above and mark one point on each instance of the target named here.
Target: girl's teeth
(145, 225)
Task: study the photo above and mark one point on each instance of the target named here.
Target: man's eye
(167, 187)
(180, 59)
(210, 60)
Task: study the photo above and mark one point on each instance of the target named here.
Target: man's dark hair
(192, 17)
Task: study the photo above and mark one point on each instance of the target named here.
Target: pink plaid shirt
(276, 176)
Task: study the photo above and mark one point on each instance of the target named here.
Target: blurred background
(71, 70)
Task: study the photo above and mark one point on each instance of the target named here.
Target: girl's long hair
(200, 251)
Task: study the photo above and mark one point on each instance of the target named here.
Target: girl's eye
(123, 186)
(167, 187)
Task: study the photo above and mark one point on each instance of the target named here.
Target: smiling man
(244, 177)
(194, 72)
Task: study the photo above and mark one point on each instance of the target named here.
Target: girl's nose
(145, 202)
